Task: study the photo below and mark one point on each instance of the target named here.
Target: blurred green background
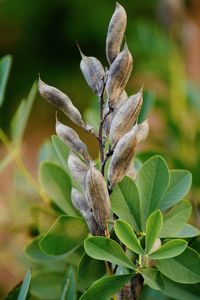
(41, 36)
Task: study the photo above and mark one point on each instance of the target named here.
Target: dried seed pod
(132, 172)
(93, 72)
(97, 194)
(92, 224)
(125, 117)
(109, 118)
(71, 139)
(115, 35)
(118, 75)
(62, 101)
(122, 157)
(78, 170)
(79, 201)
(142, 131)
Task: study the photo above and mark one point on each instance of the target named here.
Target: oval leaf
(127, 236)
(47, 285)
(179, 185)
(184, 268)
(125, 202)
(154, 225)
(89, 270)
(65, 234)
(153, 180)
(69, 286)
(106, 249)
(61, 150)
(152, 278)
(175, 219)
(57, 185)
(169, 249)
(105, 287)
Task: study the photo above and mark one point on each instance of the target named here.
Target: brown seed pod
(93, 72)
(71, 139)
(98, 196)
(125, 117)
(115, 35)
(142, 131)
(109, 118)
(94, 228)
(78, 170)
(122, 157)
(62, 101)
(118, 75)
(79, 201)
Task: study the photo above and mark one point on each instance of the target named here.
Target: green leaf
(170, 249)
(128, 237)
(47, 152)
(179, 185)
(152, 278)
(153, 180)
(57, 184)
(5, 65)
(184, 268)
(103, 248)
(180, 291)
(33, 251)
(61, 150)
(65, 234)
(125, 202)
(47, 285)
(25, 286)
(153, 227)
(89, 270)
(105, 287)
(176, 219)
(69, 287)
(187, 231)
(20, 119)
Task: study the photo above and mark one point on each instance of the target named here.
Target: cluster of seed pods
(118, 123)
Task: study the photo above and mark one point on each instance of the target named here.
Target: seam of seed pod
(127, 71)
(125, 160)
(127, 123)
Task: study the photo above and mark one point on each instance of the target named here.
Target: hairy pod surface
(91, 222)
(122, 157)
(62, 101)
(71, 139)
(79, 201)
(118, 75)
(78, 170)
(109, 118)
(98, 196)
(142, 131)
(115, 35)
(93, 72)
(125, 117)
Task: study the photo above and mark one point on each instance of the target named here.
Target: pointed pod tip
(79, 48)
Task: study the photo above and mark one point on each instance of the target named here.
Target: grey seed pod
(92, 224)
(125, 117)
(118, 75)
(98, 196)
(132, 172)
(115, 35)
(142, 131)
(62, 101)
(109, 118)
(78, 170)
(71, 139)
(79, 201)
(93, 72)
(122, 157)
